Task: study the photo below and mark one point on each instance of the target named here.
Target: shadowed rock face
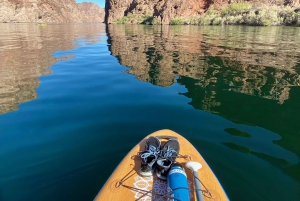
(163, 10)
(54, 11)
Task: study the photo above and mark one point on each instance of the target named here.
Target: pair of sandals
(158, 157)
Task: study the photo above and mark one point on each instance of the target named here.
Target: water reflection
(245, 59)
(26, 53)
(250, 75)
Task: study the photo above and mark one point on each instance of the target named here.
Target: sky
(100, 3)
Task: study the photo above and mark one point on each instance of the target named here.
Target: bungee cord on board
(167, 195)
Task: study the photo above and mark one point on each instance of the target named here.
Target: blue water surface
(90, 110)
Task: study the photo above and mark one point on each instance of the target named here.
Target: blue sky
(100, 3)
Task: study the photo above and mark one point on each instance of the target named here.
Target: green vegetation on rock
(137, 19)
(240, 13)
(126, 19)
(236, 8)
(244, 13)
(147, 19)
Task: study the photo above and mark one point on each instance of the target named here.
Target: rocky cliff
(49, 11)
(162, 10)
(91, 12)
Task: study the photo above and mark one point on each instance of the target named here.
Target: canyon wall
(64, 11)
(49, 11)
(163, 11)
(91, 12)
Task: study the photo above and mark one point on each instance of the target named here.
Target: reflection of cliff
(246, 63)
(26, 54)
(152, 53)
(252, 110)
(240, 73)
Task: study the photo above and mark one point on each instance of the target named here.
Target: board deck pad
(126, 184)
(158, 186)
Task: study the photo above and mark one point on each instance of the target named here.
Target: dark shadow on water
(237, 132)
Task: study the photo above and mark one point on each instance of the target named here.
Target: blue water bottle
(177, 182)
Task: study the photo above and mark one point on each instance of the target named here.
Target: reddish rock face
(53, 11)
(166, 10)
(163, 10)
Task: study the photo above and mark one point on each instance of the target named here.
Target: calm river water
(75, 98)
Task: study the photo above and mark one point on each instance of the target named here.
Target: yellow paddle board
(126, 184)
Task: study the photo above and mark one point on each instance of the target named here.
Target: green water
(75, 98)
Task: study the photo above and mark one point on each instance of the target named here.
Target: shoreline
(242, 13)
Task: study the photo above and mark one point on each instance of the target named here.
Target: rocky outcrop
(48, 11)
(163, 10)
(91, 12)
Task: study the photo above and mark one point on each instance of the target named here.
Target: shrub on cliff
(147, 19)
(234, 20)
(273, 15)
(122, 20)
(180, 21)
(267, 17)
(218, 21)
(184, 20)
(290, 16)
(246, 14)
(236, 9)
(262, 17)
(126, 19)
(177, 21)
(207, 19)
